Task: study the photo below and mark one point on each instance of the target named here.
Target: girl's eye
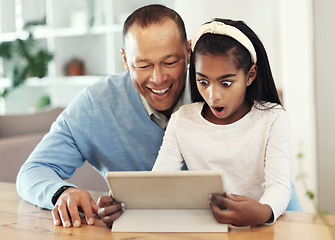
(202, 82)
(226, 83)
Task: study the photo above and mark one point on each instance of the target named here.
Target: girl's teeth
(160, 92)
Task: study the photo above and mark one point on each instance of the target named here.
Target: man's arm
(56, 158)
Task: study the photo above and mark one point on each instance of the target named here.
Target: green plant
(90, 11)
(43, 101)
(23, 59)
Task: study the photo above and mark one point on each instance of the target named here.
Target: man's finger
(63, 212)
(56, 217)
(94, 207)
(88, 211)
(73, 210)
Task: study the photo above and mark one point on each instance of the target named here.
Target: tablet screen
(165, 189)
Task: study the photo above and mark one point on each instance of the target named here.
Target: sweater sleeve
(55, 158)
(169, 156)
(277, 186)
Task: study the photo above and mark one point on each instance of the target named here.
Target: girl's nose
(215, 93)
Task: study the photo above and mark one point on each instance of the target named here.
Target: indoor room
(51, 50)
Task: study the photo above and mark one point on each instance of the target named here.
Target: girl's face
(223, 87)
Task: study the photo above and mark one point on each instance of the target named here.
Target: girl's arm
(243, 211)
(277, 171)
(169, 156)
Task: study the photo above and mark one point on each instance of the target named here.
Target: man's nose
(157, 75)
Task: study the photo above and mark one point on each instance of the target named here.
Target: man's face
(157, 61)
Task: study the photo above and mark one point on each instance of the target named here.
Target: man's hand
(239, 210)
(109, 210)
(66, 210)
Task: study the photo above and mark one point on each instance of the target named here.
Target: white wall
(298, 88)
(324, 87)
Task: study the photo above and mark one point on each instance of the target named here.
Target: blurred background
(51, 49)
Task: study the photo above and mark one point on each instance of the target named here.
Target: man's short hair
(155, 13)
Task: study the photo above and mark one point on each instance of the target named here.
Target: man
(117, 123)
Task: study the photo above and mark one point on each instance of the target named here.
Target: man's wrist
(58, 193)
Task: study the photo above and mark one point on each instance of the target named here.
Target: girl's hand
(239, 210)
(109, 210)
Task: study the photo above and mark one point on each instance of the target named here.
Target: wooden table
(22, 220)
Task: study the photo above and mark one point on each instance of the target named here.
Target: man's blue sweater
(106, 125)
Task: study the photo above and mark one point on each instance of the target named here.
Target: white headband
(224, 29)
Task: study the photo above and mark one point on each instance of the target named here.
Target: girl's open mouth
(219, 109)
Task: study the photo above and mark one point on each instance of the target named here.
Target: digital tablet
(165, 189)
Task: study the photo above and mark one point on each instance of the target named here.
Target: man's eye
(170, 64)
(226, 83)
(202, 82)
(143, 67)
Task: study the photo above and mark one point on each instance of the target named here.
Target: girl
(237, 125)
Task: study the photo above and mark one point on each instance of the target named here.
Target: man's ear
(189, 49)
(252, 74)
(124, 58)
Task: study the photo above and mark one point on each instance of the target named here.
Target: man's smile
(160, 91)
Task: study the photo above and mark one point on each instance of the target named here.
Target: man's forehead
(140, 59)
(136, 31)
(137, 25)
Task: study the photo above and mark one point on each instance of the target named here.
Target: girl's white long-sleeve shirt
(252, 153)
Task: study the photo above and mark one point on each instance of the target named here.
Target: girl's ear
(124, 58)
(252, 74)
